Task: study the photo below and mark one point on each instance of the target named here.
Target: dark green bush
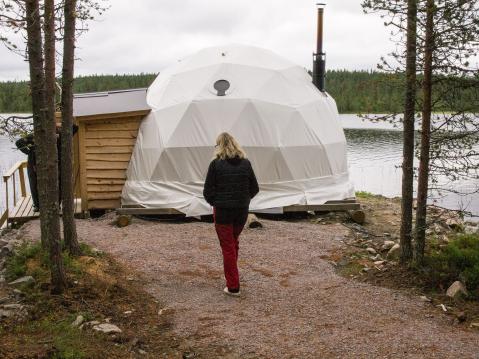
(459, 260)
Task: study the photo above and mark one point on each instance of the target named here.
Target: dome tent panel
(289, 130)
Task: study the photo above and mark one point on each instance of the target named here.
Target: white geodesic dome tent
(288, 128)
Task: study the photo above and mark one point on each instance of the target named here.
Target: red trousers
(228, 234)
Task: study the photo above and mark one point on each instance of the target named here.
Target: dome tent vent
(221, 86)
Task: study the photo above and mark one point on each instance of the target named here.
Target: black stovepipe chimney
(319, 57)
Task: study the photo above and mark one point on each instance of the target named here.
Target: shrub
(459, 260)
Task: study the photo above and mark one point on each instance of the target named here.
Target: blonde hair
(228, 147)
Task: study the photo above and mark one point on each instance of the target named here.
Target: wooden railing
(10, 180)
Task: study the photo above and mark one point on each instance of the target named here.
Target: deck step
(23, 211)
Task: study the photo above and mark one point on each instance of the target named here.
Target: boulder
(387, 245)
(23, 280)
(456, 290)
(107, 328)
(394, 252)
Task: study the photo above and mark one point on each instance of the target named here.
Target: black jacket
(27, 146)
(230, 183)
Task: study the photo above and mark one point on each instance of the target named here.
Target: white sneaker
(227, 292)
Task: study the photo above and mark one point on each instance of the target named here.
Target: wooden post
(123, 220)
(358, 216)
(14, 189)
(23, 189)
(5, 181)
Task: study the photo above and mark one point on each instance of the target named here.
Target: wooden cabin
(108, 124)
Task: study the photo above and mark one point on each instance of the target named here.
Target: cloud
(148, 35)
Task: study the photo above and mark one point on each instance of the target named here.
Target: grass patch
(16, 265)
(364, 194)
(97, 290)
(350, 269)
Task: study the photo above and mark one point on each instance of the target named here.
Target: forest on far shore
(354, 91)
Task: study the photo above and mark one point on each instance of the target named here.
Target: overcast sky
(147, 35)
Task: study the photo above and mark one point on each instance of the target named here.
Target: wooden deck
(23, 211)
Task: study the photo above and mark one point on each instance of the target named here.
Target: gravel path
(293, 305)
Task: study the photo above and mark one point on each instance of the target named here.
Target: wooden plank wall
(105, 148)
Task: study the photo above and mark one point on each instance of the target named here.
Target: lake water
(375, 154)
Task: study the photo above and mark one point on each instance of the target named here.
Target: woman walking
(229, 187)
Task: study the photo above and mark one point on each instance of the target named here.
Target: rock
(454, 223)
(107, 328)
(97, 252)
(5, 313)
(425, 299)
(78, 321)
(461, 317)
(377, 257)
(4, 300)
(379, 263)
(387, 245)
(142, 352)
(371, 250)
(6, 250)
(128, 312)
(471, 230)
(23, 280)
(437, 228)
(456, 290)
(443, 307)
(394, 252)
(18, 293)
(89, 324)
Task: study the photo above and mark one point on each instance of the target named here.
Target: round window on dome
(221, 86)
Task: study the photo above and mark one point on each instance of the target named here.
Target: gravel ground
(293, 305)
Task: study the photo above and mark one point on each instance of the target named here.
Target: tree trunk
(66, 165)
(408, 136)
(423, 176)
(37, 85)
(49, 171)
